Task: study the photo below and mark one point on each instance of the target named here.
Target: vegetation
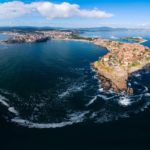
(134, 39)
(76, 36)
(135, 63)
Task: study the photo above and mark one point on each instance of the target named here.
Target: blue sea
(51, 98)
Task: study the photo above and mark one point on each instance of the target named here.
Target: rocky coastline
(119, 63)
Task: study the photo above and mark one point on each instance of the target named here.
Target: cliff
(121, 61)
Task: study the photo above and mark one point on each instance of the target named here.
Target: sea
(51, 98)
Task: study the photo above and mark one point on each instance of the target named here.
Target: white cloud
(49, 10)
(13, 10)
(94, 13)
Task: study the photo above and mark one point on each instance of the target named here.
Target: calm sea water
(4, 36)
(49, 94)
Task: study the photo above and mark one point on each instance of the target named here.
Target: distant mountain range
(93, 29)
(101, 29)
(28, 28)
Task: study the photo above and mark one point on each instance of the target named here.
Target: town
(121, 61)
(38, 36)
(43, 36)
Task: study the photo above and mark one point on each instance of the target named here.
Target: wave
(147, 94)
(4, 101)
(12, 110)
(100, 108)
(72, 89)
(75, 118)
(137, 75)
(92, 101)
(114, 37)
(125, 101)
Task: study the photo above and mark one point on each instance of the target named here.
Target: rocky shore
(122, 60)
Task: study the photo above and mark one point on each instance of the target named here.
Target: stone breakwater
(119, 63)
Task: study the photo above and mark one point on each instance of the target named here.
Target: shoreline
(33, 37)
(76, 40)
(121, 61)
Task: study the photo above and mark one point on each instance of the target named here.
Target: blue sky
(89, 13)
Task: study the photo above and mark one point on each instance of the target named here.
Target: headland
(120, 62)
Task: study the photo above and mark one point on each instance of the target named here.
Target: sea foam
(74, 118)
(124, 101)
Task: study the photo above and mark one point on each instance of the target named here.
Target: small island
(122, 60)
(134, 39)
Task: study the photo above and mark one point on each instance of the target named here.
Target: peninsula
(134, 39)
(122, 60)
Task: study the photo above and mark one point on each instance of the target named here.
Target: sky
(75, 13)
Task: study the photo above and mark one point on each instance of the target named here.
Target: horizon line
(21, 26)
